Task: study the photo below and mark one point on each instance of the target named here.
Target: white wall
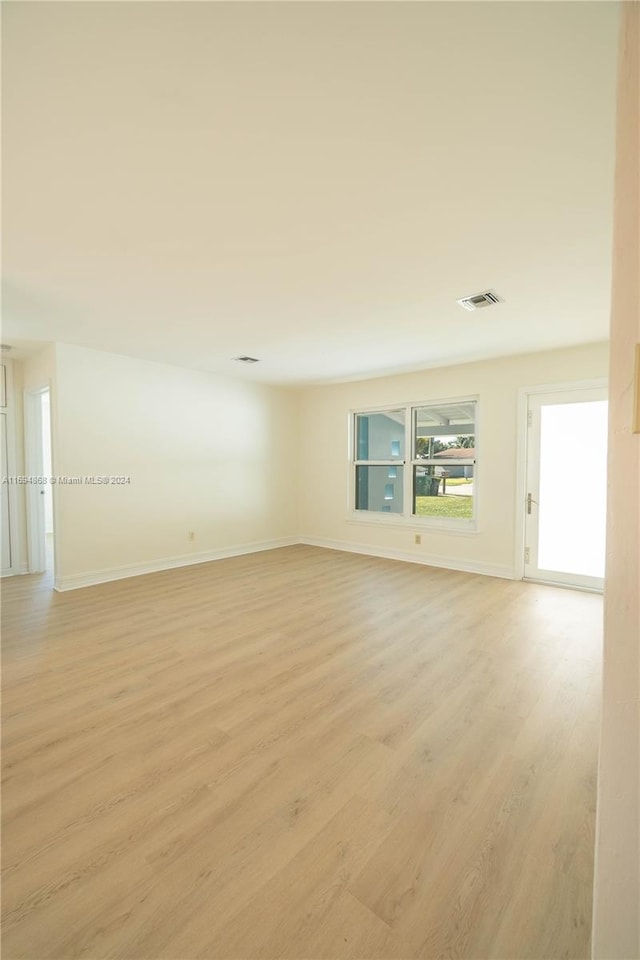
(204, 453)
(324, 454)
(39, 369)
(616, 922)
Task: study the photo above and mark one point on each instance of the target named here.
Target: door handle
(530, 500)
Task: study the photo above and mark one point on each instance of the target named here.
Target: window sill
(459, 528)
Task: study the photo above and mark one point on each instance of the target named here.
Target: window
(444, 460)
(379, 461)
(437, 484)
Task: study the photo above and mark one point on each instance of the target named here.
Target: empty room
(320, 410)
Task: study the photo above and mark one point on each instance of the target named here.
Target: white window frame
(407, 518)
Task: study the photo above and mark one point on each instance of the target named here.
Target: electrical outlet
(417, 538)
(192, 535)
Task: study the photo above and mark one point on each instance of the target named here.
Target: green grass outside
(456, 506)
(458, 481)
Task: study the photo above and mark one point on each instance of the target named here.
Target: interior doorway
(6, 546)
(566, 487)
(40, 492)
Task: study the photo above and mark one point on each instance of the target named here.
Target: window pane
(445, 430)
(444, 491)
(375, 491)
(380, 436)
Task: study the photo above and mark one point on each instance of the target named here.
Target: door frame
(524, 393)
(33, 422)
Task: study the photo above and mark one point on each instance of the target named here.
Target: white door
(36, 492)
(566, 487)
(5, 513)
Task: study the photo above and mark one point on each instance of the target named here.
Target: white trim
(62, 584)
(458, 527)
(435, 462)
(431, 402)
(94, 577)
(582, 588)
(522, 440)
(429, 559)
(567, 386)
(407, 518)
(407, 476)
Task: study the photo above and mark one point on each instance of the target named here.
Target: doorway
(40, 514)
(566, 487)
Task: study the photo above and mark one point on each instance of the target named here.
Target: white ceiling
(313, 184)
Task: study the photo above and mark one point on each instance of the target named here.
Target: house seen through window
(417, 461)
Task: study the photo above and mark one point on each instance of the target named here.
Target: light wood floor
(299, 754)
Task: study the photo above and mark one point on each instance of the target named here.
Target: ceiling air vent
(480, 300)
(247, 359)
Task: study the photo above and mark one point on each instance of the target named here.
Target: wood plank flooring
(299, 754)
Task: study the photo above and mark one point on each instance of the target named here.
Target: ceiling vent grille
(479, 300)
(247, 359)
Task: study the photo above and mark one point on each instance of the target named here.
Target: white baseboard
(16, 571)
(77, 581)
(428, 559)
